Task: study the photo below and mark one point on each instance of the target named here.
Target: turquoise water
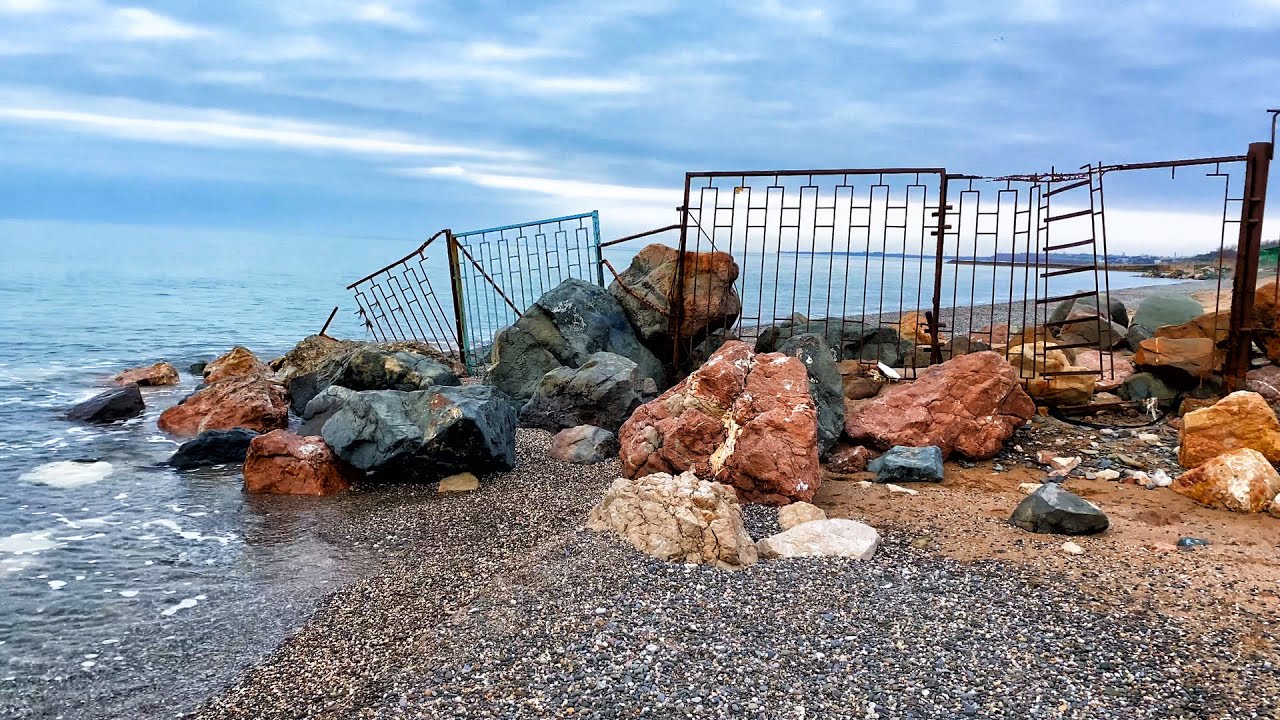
(117, 578)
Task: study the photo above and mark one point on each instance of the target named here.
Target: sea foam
(68, 473)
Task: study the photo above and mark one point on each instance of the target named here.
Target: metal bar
(406, 258)
(1069, 271)
(1064, 246)
(459, 315)
(1247, 255)
(935, 345)
(1057, 373)
(1072, 186)
(480, 267)
(1061, 298)
(517, 226)
(676, 303)
(818, 171)
(1068, 216)
(595, 229)
(326, 322)
(637, 236)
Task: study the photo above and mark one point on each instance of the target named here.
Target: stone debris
(796, 513)
(901, 490)
(836, 537)
(1071, 548)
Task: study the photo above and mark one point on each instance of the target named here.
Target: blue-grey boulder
(908, 464)
(1165, 308)
(603, 392)
(214, 447)
(322, 407)
(849, 339)
(109, 407)
(1116, 311)
(825, 385)
(370, 368)
(1054, 510)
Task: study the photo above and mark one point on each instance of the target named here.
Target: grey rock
(825, 385)
(108, 407)
(849, 339)
(370, 368)
(584, 445)
(1143, 386)
(213, 447)
(1054, 510)
(322, 407)
(1116, 311)
(425, 434)
(603, 392)
(1105, 335)
(1162, 309)
(564, 328)
(908, 464)
(703, 351)
(1191, 543)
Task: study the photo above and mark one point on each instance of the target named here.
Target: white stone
(1160, 478)
(837, 537)
(798, 513)
(1149, 438)
(1107, 475)
(899, 489)
(1028, 488)
(1072, 549)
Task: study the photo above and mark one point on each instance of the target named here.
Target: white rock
(1160, 478)
(798, 513)
(1149, 438)
(1028, 488)
(837, 537)
(1072, 549)
(899, 489)
(1107, 475)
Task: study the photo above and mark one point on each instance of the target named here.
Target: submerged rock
(110, 406)
(603, 391)
(1054, 510)
(677, 518)
(214, 447)
(908, 464)
(742, 419)
(584, 445)
(248, 401)
(162, 373)
(282, 463)
(836, 537)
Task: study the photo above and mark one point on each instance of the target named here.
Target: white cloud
(142, 24)
(377, 13)
(498, 52)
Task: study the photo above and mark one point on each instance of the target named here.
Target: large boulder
(322, 407)
(1113, 368)
(1052, 509)
(835, 537)
(370, 367)
(584, 445)
(1212, 326)
(282, 463)
(214, 447)
(1195, 358)
(239, 362)
(1116, 311)
(1240, 420)
(110, 406)
(742, 419)
(603, 391)
(1102, 333)
(1241, 480)
(1266, 312)
(564, 328)
(849, 339)
(162, 373)
(1162, 309)
(425, 434)
(1038, 364)
(307, 356)
(966, 406)
(825, 385)
(248, 401)
(646, 291)
(677, 518)
(797, 513)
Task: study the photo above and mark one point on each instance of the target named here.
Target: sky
(385, 121)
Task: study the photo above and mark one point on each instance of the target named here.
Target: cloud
(142, 24)
(377, 13)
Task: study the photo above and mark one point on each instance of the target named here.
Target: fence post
(941, 233)
(455, 277)
(595, 225)
(676, 302)
(1248, 251)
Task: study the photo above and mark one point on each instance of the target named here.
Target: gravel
(497, 604)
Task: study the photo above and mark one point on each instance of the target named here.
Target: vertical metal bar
(941, 232)
(595, 229)
(1257, 166)
(676, 303)
(455, 274)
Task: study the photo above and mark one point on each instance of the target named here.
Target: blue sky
(393, 118)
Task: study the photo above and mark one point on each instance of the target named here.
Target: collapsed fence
(904, 267)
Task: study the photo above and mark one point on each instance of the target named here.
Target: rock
(825, 386)
(966, 406)
(857, 382)
(1191, 543)
(197, 368)
(1149, 438)
(1062, 466)
(1037, 361)
(308, 356)
(603, 391)
(425, 434)
(162, 373)
(214, 447)
(849, 339)
(848, 460)
(900, 489)
(371, 367)
(282, 463)
(677, 518)
(703, 351)
(647, 287)
(1103, 333)
(1107, 475)
(565, 327)
(1240, 420)
(1197, 357)
(110, 406)
(994, 335)
(1071, 548)
(742, 419)
(1265, 381)
(460, 483)
(1266, 312)
(836, 537)
(1162, 309)
(1212, 326)
(1241, 480)
(247, 401)
(1113, 368)
(908, 464)
(962, 345)
(238, 362)
(1028, 488)
(584, 445)
(1144, 386)
(321, 408)
(913, 328)
(796, 513)
(1052, 509)
(1159, 479)
(1116, 311)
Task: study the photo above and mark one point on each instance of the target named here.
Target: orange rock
(282, 463)
(1266, 313)
(1212, 326)
(249, 401)
(240, 361)
(847, 460)
(1242, 480)
(645, 290)
(913, 328)
(162, 373)
(1240, 420)
(742, 419)
(1196, 356)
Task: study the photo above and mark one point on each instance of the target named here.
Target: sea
(129, 589)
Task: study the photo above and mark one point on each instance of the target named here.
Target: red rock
(1242, 480)
(282, 463)
(249, 401)
(646, 288)
(847, 460)
(967, 406)
(742, 419)
(1114, 369)
(240, 361)
(162, 373)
